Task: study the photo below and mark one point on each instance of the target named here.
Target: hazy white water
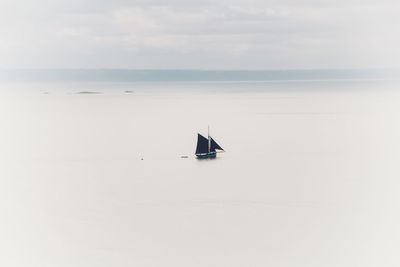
(310, 177)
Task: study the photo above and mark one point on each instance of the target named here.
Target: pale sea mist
(91, 173)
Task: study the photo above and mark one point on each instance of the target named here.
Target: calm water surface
(310, 176)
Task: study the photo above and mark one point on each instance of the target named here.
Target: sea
(103, 173)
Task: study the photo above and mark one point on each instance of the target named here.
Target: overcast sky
(194, 34)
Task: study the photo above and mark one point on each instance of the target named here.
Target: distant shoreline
(130, 75)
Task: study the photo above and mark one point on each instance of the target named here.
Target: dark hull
(210, 155)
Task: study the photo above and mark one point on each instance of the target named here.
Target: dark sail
(214, 146)
(202, 144)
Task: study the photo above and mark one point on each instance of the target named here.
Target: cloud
(199, 34)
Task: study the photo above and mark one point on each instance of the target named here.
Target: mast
(209, 139)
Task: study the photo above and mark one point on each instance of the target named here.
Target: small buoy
(142, 159)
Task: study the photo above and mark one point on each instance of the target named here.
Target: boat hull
(211, 155)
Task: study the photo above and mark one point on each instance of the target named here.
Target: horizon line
(203, 69)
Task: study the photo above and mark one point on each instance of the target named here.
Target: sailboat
(207, 147)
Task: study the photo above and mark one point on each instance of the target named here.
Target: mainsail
(214, 146)
(202, 144)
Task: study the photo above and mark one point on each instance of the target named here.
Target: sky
(194, 34)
